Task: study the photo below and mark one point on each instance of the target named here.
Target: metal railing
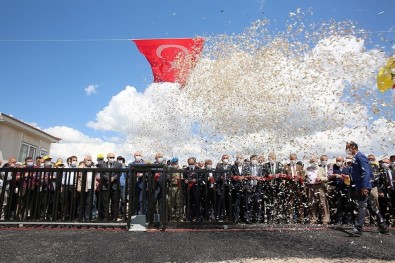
(112, 197)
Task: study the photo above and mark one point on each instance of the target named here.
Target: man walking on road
(361, 176)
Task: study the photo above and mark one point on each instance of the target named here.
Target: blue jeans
(123, 200)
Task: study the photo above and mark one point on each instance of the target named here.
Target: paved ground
(243, 244)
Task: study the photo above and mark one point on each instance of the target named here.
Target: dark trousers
(109, 200)
(141, 196)
(257, 203)
(366, 202)
(223, 204)
(268, 201)
(341, 200)
(29, 206)
(387, 206)
(46, 204)
(237, 193)
(208, 203)
(192, 198)
(10, 208)
(69, 202)
(247, 204)
(90, 205)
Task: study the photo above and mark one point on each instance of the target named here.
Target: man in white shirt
(315, 189)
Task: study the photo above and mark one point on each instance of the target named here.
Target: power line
(213, 37)
(66, 40)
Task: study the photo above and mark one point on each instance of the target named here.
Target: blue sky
(44, 80)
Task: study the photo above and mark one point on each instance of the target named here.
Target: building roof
(27, 127)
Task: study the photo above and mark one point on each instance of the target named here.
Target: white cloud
(76, 143)
(91, 89)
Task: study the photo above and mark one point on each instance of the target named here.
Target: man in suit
(386, 187)
(295, 187)
(192, 190)
(223, 188)
(238, 173)
(339, 180)
(110, 188)
(361, 176)
(392, 161)
(141, 186)
(374, 191)
(208, 200)
(254, 191)
(276, 202)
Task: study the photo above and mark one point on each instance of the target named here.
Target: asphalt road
(35, 244)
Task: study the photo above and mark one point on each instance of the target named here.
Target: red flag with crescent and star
(171, 59)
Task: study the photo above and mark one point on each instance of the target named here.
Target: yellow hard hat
(46, 157)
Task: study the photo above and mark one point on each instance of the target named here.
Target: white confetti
(306, 90)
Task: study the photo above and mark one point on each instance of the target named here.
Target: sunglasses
(111, 157)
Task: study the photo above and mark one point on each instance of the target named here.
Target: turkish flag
(171, 59)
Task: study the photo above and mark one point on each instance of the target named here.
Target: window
(27, 150)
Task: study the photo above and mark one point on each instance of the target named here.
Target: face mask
(191, 166)
(254, 162)
(239, 161)
(209, 166)
(159, 160)
(12, 165)
(339, 163)
(88, 163)
(138, 158)
(74, 163)
(314, 165)
(371, 162)
(120, 161)
(385, 165)
(47, 163)
(111, 160)
(29, 164)
(324, 163)
(292, 162)
(271, 161)
(225, 161)
(41, 164)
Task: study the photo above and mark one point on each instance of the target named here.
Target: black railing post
(108, 199)
(117, 196)
(164, 192)
(150, 198)
(82, 194)
(128, 201)
(11, 196)
(133, 198)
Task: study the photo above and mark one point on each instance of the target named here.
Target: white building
(19, 139)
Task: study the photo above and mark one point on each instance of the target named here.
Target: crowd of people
(247, 190)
